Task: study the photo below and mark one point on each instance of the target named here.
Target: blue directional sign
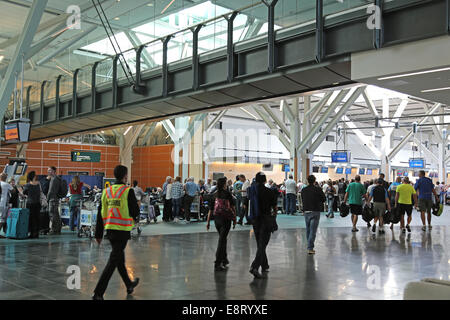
(417, 163)
(340, 156)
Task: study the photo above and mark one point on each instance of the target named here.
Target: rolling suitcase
(44, 221)
(17, 223)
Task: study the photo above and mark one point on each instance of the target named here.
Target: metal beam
(151, 129)
(167, 124)
(336, 118)
(270, 124)
(23, 45)
(136, 42)
(422, 146)
(315, 110)
(435, 127)
(362, 137)
(370, 104)
(277, 120)
(406, 138)
(216, 119)
(306, 140)
(80, 36)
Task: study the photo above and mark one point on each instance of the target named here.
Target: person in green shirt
(403, 202)
(354, 194)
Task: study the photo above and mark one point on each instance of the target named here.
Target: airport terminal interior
(196, 98)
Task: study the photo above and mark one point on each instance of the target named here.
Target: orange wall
(41, 155)
(152, 164)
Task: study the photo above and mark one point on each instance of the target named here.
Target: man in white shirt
(4, 201)
(245, 201)
(291, 195)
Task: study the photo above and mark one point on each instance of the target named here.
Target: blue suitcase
(17, 223)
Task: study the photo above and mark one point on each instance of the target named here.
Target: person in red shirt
(76, 194)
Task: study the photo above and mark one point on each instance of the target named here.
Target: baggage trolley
(87, 218)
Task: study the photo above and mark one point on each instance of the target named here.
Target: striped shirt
(177, 190)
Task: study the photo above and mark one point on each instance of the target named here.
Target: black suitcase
(44, 221)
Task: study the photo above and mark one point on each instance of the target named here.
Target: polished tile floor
(180, 265)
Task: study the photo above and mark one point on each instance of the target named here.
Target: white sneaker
(176, 220)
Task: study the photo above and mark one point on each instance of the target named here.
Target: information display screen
(315, 169)
(348, 170)
(339, 170)
(362, 171)
(11, 131)
(340, 156)
(417, 163)
(324, 170)
(369, 172)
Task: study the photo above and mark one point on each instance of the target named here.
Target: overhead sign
(85, 156)
(417, 163)
(17, 131)
(340, 156)
(339, 170)
(286, 168)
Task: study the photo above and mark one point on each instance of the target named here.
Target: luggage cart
(87, 219)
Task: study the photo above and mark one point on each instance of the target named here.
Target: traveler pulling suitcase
(17, 223)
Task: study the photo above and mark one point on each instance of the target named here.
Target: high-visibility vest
(115, 213)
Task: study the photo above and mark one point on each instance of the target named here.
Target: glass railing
(250, 21)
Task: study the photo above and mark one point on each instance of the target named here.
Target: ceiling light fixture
(128, 130)
(434, 90)
(1, 58)
(167, 7)
(414, 74)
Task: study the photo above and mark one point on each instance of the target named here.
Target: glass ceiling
(212, 36)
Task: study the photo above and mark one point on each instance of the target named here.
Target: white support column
(181, 126)
(126, 148)
(306, 126)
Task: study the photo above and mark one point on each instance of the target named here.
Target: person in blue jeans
(177, 197)
(313, 199)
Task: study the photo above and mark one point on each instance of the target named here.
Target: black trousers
(35, 212)
(244, 212)
(187, 201)
(262, 231)
(116, 260)
(223, 226)
(167, 211)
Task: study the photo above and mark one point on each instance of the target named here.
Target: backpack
(62, 192)
(222, 208)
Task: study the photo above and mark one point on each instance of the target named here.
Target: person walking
(53, 197)
(237, 187)
(403, 202)
(76, 195)
(330, 199)
(426, 191)
(117, 212)
(341, 191)
(32, 191)
(354, 194)
(245, 201)
(223, 209)
(381, 200)
(263, 202)
(313, 199)
(138, 192)
(177, 198)
(291, 195)
(191, 190)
